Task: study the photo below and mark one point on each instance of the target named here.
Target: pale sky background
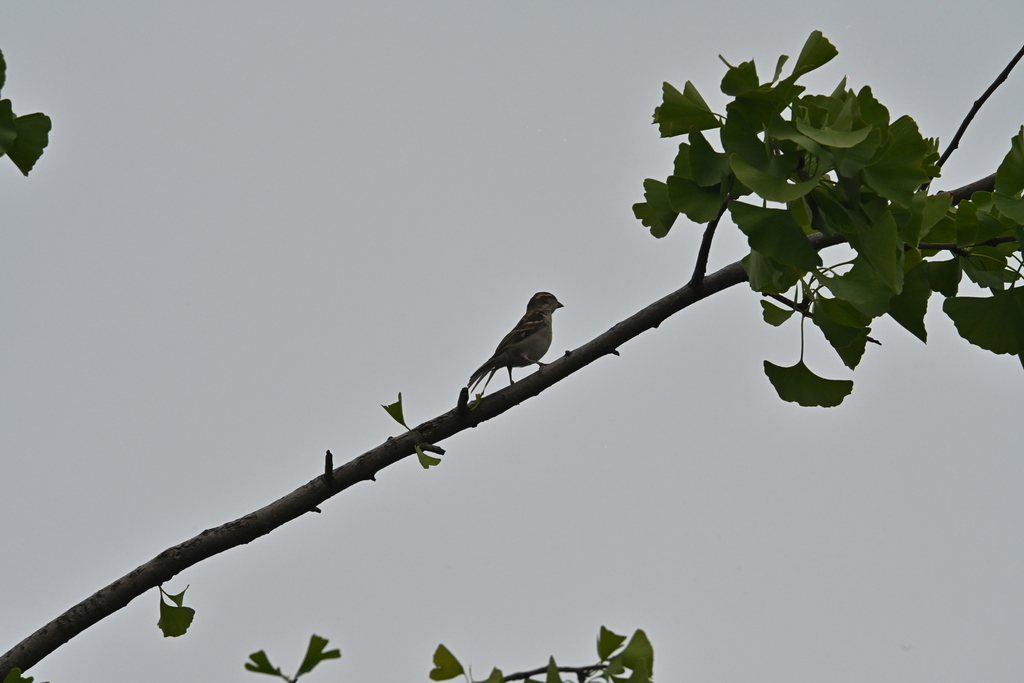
(258, 221)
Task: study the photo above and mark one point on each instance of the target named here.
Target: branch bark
(309, 496)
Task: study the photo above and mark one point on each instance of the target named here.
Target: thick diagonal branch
(309, 496)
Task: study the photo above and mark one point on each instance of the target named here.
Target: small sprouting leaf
(909, 306)
(261, 664)
(773, 315)
(495, 677)
(395, 411)
(994, 323)
(656, 213)
(426, 461)
(774, 232)
(607, 643)
(552, 673)
(778, 66)
(446, 666)
(1010, 174)
(315, 654)
(797, 384)
(174, 618)
(639, 657)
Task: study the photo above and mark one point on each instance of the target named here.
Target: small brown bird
(524, 345)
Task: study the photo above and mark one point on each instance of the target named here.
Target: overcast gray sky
(258, 221)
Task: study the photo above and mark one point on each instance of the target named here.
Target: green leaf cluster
(788, 165)
(315, 653)
(633, 663)
(22, 138)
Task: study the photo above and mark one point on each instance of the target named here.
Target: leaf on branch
(656, 213)
(174, 618)
(773, 187)
(495, 677)
(395, 411)
(994, 323)
(261, 664)
(898, 169)
(862, 286)
(774, 315)
(707, 167)
(33, 136)
(638, 656)
(774, 233)
(880, 245)
(681, 111)
(426, 461)
(607, 643)
(944, 276)
(1011, 207)
(1010, 174)
(446, 666)
(832, 318)
(699, 204)
(315, 654)
(797, 384)
(817, 51)
(767, 275)
(8, 128)
(552, 673)
(909, 306)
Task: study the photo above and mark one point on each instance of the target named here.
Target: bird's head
(543, 301)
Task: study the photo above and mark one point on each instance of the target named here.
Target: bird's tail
(478, 377)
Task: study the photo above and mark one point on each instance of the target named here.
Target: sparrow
(524, 345)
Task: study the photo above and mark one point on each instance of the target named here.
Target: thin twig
(799, 308)
(962, 250)
(701, 267)
(578, 670)
(955, 142)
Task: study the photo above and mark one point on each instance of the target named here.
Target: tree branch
(581, 672)
(955, 142)
(986, 184)
(701, 267)
(309, 496)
